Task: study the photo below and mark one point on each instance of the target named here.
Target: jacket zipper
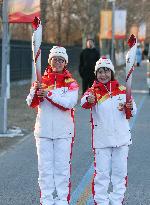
(52, 111)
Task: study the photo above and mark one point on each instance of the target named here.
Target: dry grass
(19, 114)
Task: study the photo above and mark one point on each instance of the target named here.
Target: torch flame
(132, 41)
(36, 23)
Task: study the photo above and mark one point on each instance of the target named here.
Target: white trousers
(114, 161)
(54, 157)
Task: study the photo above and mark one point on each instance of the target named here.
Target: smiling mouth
(103, 78)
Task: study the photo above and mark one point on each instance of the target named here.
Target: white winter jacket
(55, 112)
(110, 126)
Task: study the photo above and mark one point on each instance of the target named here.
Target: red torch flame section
(35, 23)
(132, 41)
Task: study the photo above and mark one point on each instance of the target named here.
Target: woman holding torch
(55, 97)
(111, 133)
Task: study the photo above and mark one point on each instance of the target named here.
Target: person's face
(90, 44)
(57, 64)
(103, 75)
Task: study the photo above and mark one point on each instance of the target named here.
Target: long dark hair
(112, 76)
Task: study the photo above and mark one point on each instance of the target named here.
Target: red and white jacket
(110, 127)
(55, 112)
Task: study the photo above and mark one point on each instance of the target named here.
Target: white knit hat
(59, 52)
(104, 62)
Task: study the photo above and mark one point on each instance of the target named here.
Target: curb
(13, 145)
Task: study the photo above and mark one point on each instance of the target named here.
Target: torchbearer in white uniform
(111, 134)
(54, 97)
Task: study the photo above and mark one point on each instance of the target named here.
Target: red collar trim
(65, 72)
(114, 85)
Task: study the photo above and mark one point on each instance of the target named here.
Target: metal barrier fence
(21, 59)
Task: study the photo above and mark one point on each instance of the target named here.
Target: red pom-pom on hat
(103, 57)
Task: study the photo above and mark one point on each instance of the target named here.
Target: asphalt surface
(18, 165)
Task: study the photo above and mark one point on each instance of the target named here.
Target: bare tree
(69, 21)
(88, 14)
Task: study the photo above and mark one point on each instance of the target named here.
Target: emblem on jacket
(64, 90)
(119, 98)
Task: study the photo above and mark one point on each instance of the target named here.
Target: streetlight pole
(3, 98)
(113, 31)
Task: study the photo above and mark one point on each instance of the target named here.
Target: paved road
(18, 166)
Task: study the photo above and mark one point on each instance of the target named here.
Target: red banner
(106, 24)
(23, 11)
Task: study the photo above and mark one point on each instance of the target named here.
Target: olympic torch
(130, 61)
(36, 47)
